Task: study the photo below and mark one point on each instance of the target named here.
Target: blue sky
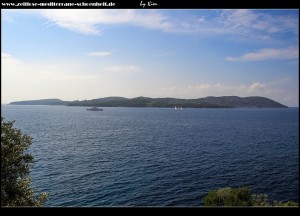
(87, 54)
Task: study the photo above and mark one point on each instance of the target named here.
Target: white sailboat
(177, 108)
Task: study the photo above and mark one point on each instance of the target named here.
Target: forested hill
(207, 102)
(41, 102)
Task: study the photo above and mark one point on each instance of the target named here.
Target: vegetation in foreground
(240, 197)
(15, 164)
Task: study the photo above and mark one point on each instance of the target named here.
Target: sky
(75, 54)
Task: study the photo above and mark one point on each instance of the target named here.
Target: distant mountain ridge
(53, 101)
(207, 102)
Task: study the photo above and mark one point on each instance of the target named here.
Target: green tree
(240, 197)
(288, 203)
(15, 164)
(260, 200)
(228, 197)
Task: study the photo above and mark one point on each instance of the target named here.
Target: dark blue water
(158, 156)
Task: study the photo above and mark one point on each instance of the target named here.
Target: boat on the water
(177, 108)
(94, 109)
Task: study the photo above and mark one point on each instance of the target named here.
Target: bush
(260, 200)
(288, 203)
(228, 197)
(240, 197)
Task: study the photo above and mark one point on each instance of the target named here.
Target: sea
(158, 156)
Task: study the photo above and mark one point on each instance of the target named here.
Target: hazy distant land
(207, 102)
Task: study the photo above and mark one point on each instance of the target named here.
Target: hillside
(207, 102)
(40, 102)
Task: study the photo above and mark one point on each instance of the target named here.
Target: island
(207, 102)
(40, 102)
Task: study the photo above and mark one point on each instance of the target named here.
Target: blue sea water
(158, 156)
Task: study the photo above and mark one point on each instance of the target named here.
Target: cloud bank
(268, 54)
(242, 22)
(99, 54)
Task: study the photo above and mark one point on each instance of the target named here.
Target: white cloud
(90, 21)
(10, 62)
(99, 54)
(275, 89)
(5, 55)
(268, 53)
(255, 24)
(123, 69)
(229, 58)
(243, 23)
(218, 89)
(256, 87)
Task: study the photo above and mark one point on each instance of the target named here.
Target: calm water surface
(158, 156)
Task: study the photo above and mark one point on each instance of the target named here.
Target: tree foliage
(240, 197)
(228, 197)
(15, 164)
(260, 200)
